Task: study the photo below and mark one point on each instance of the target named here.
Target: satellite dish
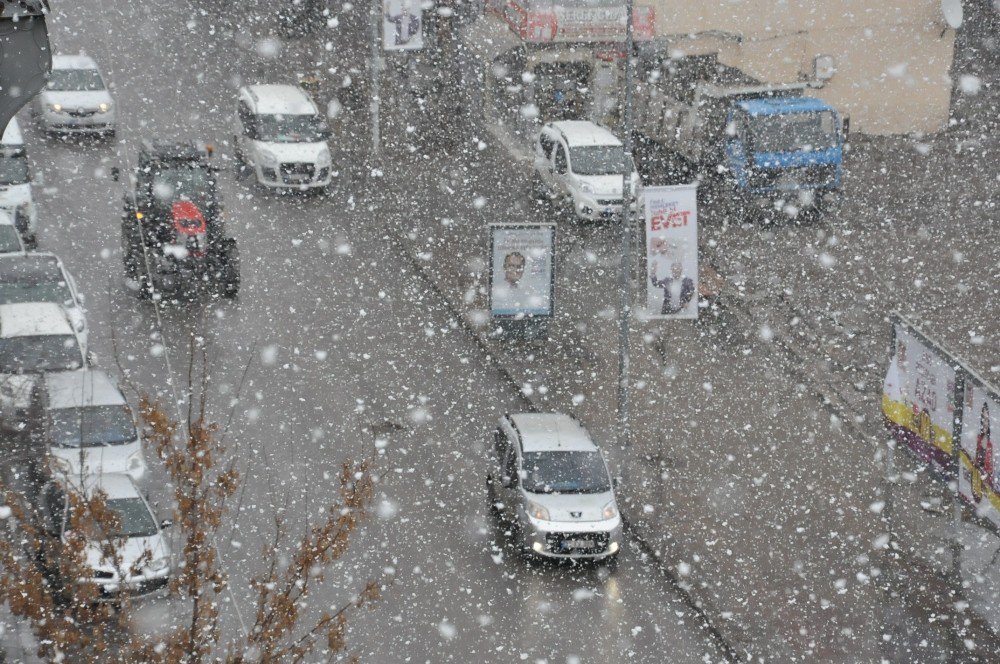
(952, 10)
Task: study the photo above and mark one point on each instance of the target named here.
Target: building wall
(892, 56)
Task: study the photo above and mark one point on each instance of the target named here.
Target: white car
(88, 425)
(75, 99)
(280, 134)
(145, 564)
(549, 480)
(15, 183)
(581, 162)
(36, 337)
(41, 277)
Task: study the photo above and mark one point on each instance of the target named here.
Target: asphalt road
(343, 339)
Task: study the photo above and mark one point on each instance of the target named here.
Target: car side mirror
(80, 296)
(615, 482)
(91, 358)
(166, 523)
(507, 481)
(116, 173)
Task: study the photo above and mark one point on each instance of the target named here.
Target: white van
(581, 162)
(280, 134)
(15, 183)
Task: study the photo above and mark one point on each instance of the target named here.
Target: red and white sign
(566, 21)
(671, 251)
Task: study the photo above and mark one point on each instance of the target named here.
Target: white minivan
(15, 183)
(581, 162)
(281, 136)
(548, 479)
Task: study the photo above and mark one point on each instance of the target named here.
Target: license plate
(578, 544)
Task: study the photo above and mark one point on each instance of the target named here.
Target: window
(92, 425)
(33, 354)
(500, 444)
(246, 117)
(510, 464)
(546, 144)
(598, 160)
(565, 472)
(74, 80)
(560, 161)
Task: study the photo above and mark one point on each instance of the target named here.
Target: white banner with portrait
(402, 25)
(671, 251)
(522, 267)
(978, 475)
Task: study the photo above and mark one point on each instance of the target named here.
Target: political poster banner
(918, 397)
(978, 477)
(522, 268)
(402, 25)
(671, 251)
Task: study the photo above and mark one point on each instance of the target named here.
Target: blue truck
(771, 144)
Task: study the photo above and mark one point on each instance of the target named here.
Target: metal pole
(376, 72)
(624, 306)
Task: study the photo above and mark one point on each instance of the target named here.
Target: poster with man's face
(979, 453)
(402, 27)
(671, 251)
(521, 269)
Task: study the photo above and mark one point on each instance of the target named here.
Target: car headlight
(586, 188)
(104, 107)
(536, 511)
(268, 159)
(56, 107)
(158, 565)
(610, 511)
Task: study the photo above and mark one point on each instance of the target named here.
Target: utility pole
(376, 73)
(624, 305)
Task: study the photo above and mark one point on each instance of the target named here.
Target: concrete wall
(892, 56)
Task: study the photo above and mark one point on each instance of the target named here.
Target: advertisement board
(522, 268)
(402, 25)
(671, 251)
(978, 477)
(918, 397)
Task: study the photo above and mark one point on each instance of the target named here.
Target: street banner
(522, 268)
(978, 479)
(671, 251)
(402, 25)
(918, 397)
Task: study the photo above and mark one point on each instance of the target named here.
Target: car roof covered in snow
(32, 319)
(547, 432)
(581, 133)
(80, 388)
(73, 62)
(280, 99)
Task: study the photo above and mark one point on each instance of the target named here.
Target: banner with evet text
(671, 251)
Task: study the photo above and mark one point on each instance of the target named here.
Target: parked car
(581, 163)
(75, 99)
(281, 136)
(548, 479)
(89, 426)
(11, 241)
(15, 184)
(42, 277)
(36, 337)
(145, 564)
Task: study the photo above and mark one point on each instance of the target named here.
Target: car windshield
(290, 128)
(793, 132)
(597, 159)
(136, 521)
(181, 183)
(56, 292)
(14, 170)
(10, 239)
(565, 472)
(35, 354)
(74, 79)
(90, 426)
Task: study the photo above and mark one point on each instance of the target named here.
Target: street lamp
(624, 304)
